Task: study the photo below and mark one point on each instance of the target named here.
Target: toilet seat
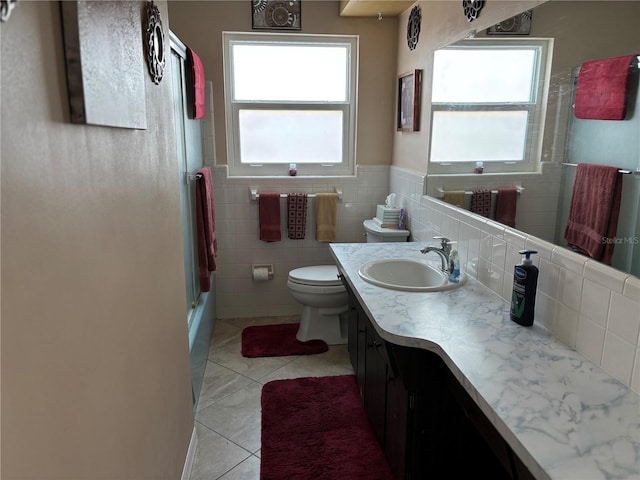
(317, 275)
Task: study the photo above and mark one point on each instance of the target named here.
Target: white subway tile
(566, 259)
(632, 288)
(635, 378)
(605, 275)
(566, 325)
(545, 311)
(548, 278)
(590, 340)
(618, 357)
(624, 318)
(595, 302)
(570, 290)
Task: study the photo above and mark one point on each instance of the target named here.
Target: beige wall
(95, 361)
(200, 25)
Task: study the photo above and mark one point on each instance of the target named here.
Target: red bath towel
(269, 212)
(593, 213)
(601, 91)
(205, 227)
(506, 202)
(197, 89)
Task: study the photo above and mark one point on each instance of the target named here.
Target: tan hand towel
(454, 197)
(326, 214)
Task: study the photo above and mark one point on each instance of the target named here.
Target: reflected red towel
(205, 227)
(593, 213)
(197, 89)
(601, 91)
(269, 213)
(506, 202)
(481, 202)
(296, 215)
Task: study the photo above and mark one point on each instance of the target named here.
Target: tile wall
(588, 306)
(239, 246)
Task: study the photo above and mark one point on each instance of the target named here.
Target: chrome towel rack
(621, 170)
(253, 193)
(441, 191)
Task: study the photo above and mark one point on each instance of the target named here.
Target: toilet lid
(316, 275)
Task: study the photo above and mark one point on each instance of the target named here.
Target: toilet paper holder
(258, 271)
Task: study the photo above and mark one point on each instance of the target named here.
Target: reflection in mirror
(554, 141)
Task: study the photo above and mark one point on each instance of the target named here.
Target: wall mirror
(581, 31)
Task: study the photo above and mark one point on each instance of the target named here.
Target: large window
(488, 102)
(290, 98)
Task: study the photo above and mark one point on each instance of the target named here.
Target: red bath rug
(317, 429)
(277, 341)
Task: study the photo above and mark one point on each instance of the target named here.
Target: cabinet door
(352, 331)
(397, 418)
(375, 384)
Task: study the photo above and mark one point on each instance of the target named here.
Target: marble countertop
(561, 414)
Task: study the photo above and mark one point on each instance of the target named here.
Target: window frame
(536, 109)
(348, 107)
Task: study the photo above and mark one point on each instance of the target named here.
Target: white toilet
(323, 296)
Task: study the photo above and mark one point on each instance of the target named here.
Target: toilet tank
(375, 233)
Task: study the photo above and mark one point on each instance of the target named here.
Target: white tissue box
(385, 213)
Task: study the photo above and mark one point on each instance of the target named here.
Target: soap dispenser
(525, 281)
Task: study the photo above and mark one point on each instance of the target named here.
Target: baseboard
(191, 456)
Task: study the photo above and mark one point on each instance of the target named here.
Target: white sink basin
(408, 275)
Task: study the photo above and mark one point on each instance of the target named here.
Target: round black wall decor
(472, 8)
(155, 44)
(413, 27)
(5, 9)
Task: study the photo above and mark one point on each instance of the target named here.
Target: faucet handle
(444, 241)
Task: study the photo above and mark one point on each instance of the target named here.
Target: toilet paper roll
(261, 274)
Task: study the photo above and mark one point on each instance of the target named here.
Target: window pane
(302, 136)
(478, 136)
(476, 75)
(290, 72)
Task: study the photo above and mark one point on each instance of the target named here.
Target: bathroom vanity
(453, 388)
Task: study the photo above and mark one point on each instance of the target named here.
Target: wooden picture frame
(408, 117)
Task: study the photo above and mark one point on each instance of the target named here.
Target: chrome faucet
(443, 251)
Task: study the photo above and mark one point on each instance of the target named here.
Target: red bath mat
(277, 341)
(316, 428)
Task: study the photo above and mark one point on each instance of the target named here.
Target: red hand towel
(506, 206)
(269, 213)
(593, 212)
(197, 89)
(601, 91)
(205, 227)
(296, 215)
(481, 202)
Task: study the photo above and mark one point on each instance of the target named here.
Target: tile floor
(228, 412)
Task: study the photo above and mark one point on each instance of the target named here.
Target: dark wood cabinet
(426, 422)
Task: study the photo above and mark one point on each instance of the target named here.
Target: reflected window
(290, 98)
(488, 105)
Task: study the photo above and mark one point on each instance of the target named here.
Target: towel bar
(253, 193)
(621, 170)
(440, 191)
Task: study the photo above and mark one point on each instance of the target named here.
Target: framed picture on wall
(409, 101)
(276, 15)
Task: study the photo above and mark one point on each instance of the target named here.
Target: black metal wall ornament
(155, 44)
(6, 6)
(413, 27)
(472, 9)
